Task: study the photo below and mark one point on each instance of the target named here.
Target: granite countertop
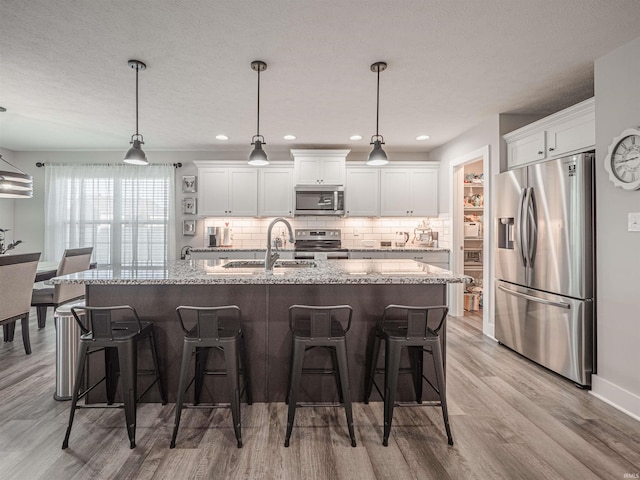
(354, 249)
(193, 272)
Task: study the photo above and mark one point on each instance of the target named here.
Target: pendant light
(135, 155)
(15, 184)
(377, 155)
(258, 156)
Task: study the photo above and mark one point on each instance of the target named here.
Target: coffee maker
(214, 236)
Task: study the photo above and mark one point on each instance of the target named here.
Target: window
(124, 212)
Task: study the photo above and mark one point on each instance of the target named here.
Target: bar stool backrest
(421, 322)
(209, 321)
(101, 322)
(320, 318)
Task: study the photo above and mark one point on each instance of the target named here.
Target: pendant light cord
(137, 68)
(378, 101)
(258, 126)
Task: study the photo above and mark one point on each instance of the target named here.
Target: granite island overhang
(264, 298)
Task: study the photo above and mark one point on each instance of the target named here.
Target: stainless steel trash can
(67, 340)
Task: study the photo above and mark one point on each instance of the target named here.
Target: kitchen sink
(278, 264)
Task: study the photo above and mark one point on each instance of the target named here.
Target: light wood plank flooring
(510, 420)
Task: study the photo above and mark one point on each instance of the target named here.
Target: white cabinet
(438, 259)
(319, 167)
(409, 191)
(567, 131)
(365, 255)
(276, 192)
(226, 255)
(362, 192)
(228, 191)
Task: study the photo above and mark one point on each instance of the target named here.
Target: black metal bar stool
(116, 331)
(314, 326)
(408, 327)
(220, 328)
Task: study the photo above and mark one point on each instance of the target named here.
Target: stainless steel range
(319, 243)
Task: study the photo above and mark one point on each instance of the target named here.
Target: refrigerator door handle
(520, 230)
(532, 226)
(534, 299)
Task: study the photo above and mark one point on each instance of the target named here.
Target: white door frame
(456, 207)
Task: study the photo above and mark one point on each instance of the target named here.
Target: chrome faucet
(270, 258)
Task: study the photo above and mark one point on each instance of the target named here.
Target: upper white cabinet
(227, 191)
(319, 167)
(276, 192)
(408, 191)
(562, 133)
(362, 192)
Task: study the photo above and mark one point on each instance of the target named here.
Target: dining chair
(17, 274)
(44, 295)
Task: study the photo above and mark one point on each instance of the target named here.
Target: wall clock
(623, 160)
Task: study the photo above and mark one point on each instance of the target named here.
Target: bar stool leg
(246, 372)
(296, 371)
(391, 370)
(111, 373)
(416, 358)
(436, 351)
(233, 382)
(202, 356)
(187, 351)
(127, 355)
(343, 369)
(337, 373)
(82, 358)
(156, 366)
(373, 358)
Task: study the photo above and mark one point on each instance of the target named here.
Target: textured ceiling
(65, 82)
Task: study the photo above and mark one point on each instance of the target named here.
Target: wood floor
(510, 420)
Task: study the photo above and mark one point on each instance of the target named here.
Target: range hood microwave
(319, 200)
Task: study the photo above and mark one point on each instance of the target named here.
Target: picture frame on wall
(189, 205)
(189, 184)
(188, 227)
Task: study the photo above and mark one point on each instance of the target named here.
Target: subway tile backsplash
(252, 232)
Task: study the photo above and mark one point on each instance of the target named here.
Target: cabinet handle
(540, 152)
(551, 149)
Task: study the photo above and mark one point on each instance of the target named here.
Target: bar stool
(314, 326)
(116, 331)
(408, 327)
(220, 328)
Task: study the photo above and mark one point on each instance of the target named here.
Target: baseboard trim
(619, 398)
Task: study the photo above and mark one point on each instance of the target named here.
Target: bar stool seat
(416, 329)
(219, 328)
(319, 326)
(116, 331)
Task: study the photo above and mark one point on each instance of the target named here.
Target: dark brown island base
(264, 299)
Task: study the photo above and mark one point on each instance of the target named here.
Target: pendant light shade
(377, 156)
(15, 184)
(135, 155)
(258, 156)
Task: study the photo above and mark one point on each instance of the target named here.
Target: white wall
(617, 88)
(6, 204)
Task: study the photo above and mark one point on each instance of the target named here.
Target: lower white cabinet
(226, 255)
(365, 255)
(438, 259)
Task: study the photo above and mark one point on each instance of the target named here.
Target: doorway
(471, 237)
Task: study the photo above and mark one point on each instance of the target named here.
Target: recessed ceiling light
(289, 137)
(423, 137)
(222, 137)
(355, 137)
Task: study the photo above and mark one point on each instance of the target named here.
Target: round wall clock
(623, 160)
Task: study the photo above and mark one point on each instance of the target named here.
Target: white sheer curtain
(126, 213)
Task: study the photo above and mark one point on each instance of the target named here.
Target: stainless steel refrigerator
(544, 264)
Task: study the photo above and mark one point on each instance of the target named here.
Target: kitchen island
(264, 298)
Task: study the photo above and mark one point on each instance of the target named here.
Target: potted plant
(9, 246)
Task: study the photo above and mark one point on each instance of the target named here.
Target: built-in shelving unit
(473, 233)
